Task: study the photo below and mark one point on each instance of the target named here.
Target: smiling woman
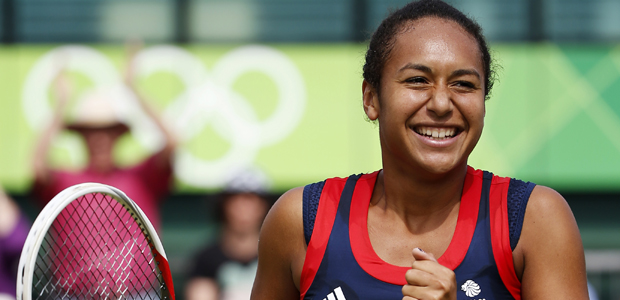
(427, 75)
(430, 84)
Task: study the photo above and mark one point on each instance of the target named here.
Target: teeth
(436, 133)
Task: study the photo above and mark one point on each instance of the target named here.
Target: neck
(101, 168)
(417, 195)
(101, 163)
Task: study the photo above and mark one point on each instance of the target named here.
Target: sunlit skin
(430, 110)
(433, 79)
(430, 107)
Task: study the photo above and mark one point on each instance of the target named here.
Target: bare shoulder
(289, 203)
(281, 249)
(284, 220)
(551, 254)
(548, 219)
(545, 198)
(283, 225)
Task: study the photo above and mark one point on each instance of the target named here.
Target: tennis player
(427, 225)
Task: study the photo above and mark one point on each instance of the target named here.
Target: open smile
(437, 133)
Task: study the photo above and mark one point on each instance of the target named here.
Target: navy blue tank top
(340, 263)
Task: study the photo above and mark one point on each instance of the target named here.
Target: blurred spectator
(13, 231)
(97, 121)
(226, 269)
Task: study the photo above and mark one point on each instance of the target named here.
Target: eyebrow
(426, 69)
(461, 72)
(418, 67)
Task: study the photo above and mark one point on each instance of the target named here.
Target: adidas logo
(336, 295)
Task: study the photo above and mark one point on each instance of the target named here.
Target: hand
(428, 280)
(9, 214)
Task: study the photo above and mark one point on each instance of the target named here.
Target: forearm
(156, 118)
(130, 82)
(39, 161)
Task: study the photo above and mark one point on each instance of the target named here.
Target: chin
(441, 167)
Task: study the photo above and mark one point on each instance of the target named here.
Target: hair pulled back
(383, 39)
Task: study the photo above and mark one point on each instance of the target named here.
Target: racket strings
(96, 249)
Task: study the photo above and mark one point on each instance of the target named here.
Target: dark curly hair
(383, 40)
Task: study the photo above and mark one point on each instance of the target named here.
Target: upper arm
(281, 250)
(551, 250)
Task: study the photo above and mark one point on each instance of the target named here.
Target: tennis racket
(92, 242)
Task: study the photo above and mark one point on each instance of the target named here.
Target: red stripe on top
(456, 251)
(500, 235)
(325, 216)
(163, 266)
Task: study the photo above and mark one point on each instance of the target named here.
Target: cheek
(477, 112)
(404, 102)
(481, 111)
(472, 108)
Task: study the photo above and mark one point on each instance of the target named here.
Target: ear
(371, 101)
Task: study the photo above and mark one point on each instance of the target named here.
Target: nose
(440, 103)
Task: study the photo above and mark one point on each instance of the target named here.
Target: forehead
(432, 40)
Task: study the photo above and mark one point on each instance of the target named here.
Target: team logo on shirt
(337, 294)
(471, 288)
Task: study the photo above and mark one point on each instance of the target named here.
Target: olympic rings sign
(208, 100)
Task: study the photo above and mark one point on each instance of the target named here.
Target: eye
(416, 79)
(464, 85)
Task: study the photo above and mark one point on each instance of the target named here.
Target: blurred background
(273, 87)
